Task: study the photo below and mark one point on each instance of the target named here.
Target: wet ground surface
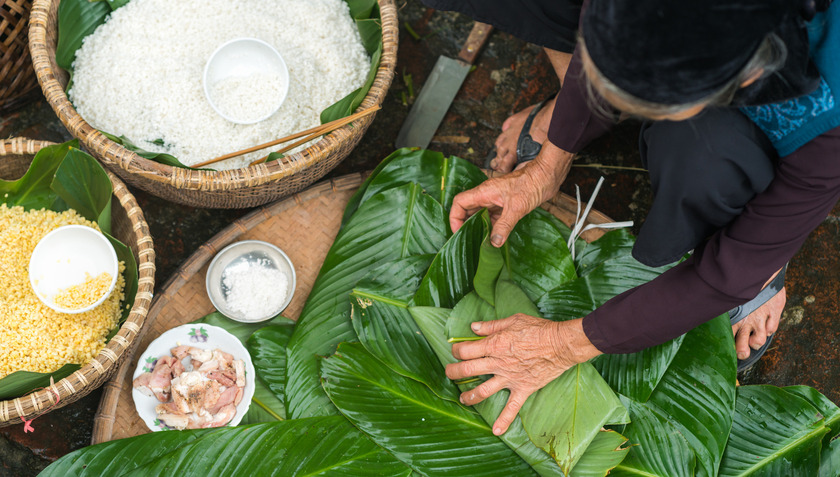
(510, 75)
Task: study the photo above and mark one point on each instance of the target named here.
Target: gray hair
(768, 59)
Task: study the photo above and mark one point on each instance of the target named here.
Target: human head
(670, 59)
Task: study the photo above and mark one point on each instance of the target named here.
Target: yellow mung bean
(83, 294)
(33, 337)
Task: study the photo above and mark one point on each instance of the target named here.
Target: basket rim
(82, 381)
(116, 155)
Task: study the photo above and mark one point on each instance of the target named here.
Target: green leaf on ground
(394, 224)
(773, 433)
(434, 436)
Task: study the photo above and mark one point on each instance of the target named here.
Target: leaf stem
(458, 339)
(273, 414)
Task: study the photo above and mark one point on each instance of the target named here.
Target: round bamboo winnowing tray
(128, 226)
(237, 188)
(304, 226)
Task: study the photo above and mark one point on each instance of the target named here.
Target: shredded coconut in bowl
(139, 75)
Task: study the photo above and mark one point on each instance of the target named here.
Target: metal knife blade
(439, 91)
(432, 103)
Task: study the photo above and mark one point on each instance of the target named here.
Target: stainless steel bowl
(247, 253)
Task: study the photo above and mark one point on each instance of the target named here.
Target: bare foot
(505, 159)
(752, 331)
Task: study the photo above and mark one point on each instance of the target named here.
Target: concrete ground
(510, 75)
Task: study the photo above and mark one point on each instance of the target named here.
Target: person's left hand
(523, 353)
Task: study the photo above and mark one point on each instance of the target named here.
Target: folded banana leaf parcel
(357, 385)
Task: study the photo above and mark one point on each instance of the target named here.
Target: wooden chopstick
(326, 129)
(309, 134)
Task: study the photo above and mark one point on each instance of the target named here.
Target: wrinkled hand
(523, 353)
(510, 197)
(753, 331)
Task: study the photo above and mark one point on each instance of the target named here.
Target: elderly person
(741, 101)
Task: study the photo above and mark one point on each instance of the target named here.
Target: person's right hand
(510, 197)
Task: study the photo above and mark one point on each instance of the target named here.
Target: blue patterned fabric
(791, 124)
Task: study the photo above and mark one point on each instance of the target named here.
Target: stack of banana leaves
(357, 385)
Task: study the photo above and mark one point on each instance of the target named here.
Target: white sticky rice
(139, 75)
(234, 96)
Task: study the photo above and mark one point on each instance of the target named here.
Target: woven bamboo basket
(129, 226)
(238, 188)
(17, 79)
(304, 226)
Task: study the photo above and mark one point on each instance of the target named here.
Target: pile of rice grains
(139, 75)
(33, 337)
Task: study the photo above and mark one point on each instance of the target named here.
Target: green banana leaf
(395, 282)
(58, 177)
(513, 300)
(603, 454)
(72, 182)
(830, 459)
(76, 20)
(369, 23)
(490, 263)
(395, 224)
(432, 321)
(697, 393)
(656, 447)
(537, 256)
(32, 190)
(565, 416)
(828, 409)
(441, 177)
(547, 429)
(305, 447)
(385, 328)
(450, 276)
(773, 433)
(612, 245)
(266, 406)
(160, 157)
(123, 455)
(389, 333)
(471, 308)
(634, 375)
(356, 199)
(267, 347)
(577, 298)
(433, 436)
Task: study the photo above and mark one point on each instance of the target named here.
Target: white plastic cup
(244, 57)
(66, 257)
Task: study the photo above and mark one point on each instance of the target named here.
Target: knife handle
(478, 37)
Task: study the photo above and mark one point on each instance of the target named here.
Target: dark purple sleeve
(573, 123)
(730, 268)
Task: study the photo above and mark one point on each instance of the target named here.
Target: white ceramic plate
(201, 336)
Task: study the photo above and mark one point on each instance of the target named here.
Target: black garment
(553, 24)
(548, 23)
(703, 171)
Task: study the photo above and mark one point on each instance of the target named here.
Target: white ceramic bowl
(202, 336)
(65, 257)
(251, 252)
(244, 57)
